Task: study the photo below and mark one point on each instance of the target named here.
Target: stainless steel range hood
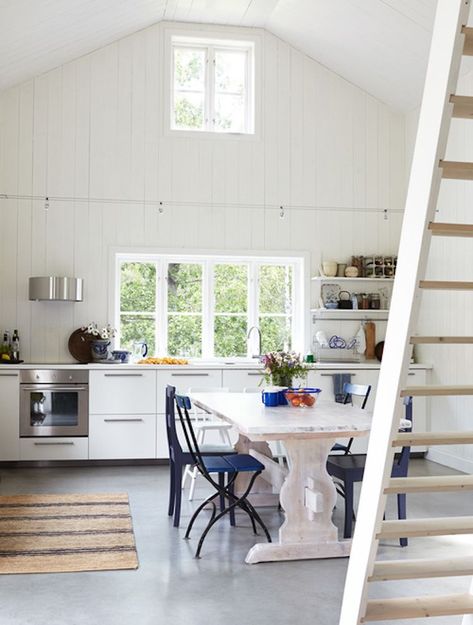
(56, 289)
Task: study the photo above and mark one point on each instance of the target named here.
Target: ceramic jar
(330, 268)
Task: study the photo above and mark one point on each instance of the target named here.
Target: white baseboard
(450, 460)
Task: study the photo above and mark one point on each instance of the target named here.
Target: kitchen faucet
(258, 355)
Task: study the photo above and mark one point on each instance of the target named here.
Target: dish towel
(339, 380)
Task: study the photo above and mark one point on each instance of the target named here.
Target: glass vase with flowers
(282, 368)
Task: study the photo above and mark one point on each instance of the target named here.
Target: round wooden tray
(79, 346)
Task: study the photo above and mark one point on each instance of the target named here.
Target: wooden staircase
(451, 39)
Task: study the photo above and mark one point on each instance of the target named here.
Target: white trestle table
(307, 492)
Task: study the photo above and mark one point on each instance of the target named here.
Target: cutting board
(370, 333)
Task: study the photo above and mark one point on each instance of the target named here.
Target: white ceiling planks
(380, 45)
(372, 43)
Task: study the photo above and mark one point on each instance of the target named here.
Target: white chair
(203, 423)
(278, 449)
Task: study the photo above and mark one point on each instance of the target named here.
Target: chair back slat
(402, 461)
(183, 404)
(357, 390)
(174, 444)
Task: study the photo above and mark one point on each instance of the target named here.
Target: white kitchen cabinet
(183, 380)
(58, 448)
(115, 392)
(9, 415)
(416, 377)
(238, 379)
(115, 437)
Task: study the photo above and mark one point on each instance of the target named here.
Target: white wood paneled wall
(450, 314)
(93, 129)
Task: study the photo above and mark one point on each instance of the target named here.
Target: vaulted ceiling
(380, 45)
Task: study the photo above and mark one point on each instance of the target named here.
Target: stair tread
(437, 389)
(447, 340)
(418, 607)
(432, 483)
(468, 45)
(462, 106)
(449, 229)
(433, 438)
(436, 526)
(421, 568)
(457, 170)
(446, 285)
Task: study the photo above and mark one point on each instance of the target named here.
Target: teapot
(345, 302)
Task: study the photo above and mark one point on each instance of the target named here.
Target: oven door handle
(52, 387)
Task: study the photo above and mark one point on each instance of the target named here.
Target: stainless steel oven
(54, 402)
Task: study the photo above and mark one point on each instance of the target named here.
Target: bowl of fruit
(302, 397)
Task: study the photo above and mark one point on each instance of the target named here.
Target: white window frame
(299, 285)
(213, 40)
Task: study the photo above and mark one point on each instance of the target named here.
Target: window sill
(207, 135)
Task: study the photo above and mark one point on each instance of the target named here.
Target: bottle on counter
(15, 346)
(5, 346)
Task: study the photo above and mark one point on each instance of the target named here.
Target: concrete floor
(170, 586)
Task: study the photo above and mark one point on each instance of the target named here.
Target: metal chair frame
(350, 390)
(345, 477)
(178, 458)
(224, 492)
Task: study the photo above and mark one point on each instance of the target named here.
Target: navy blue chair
(350, 468)
(180, 457)
(353, 390)
(229, 466)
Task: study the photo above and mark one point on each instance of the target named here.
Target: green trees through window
(204, 308)
(212, 85)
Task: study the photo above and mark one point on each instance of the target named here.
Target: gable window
(212, 85)
(203, 307)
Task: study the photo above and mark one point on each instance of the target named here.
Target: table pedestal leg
(308, 497)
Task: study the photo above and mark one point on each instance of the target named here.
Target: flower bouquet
(100, 340)
(280, 368)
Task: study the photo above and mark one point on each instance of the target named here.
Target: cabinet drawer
(122, 436)
(237, 380)
(122, 392)
(183, 380)
(54, 448)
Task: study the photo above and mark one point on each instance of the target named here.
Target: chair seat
(352, 464)
(231, 464)
(217, 464)
(244, 462)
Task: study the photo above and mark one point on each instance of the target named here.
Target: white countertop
(204, 365)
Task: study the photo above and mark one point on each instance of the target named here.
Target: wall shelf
(341, 279)
(341, 314)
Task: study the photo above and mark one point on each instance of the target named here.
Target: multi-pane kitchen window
(203, 307)
(212, 85)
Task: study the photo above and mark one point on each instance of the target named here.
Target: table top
(327, 419)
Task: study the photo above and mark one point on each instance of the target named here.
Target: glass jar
(365, 301)
(375, 301)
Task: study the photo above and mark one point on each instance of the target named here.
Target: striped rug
(65, 533)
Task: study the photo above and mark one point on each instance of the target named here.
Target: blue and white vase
(100, 349)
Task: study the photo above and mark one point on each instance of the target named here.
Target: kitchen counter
(370, 364)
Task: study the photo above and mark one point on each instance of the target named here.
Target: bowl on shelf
(331, 305)
(302, 397)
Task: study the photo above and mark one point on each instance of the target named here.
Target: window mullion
(207, 310)
(252, 304)
(163, 307)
